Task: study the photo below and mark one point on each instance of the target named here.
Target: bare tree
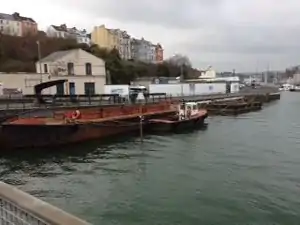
(180, 60)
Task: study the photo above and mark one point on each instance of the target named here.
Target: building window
(88, 69)
(89, 88)
(70, 68)
(45, 68)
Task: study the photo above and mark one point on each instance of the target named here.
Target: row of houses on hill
(62, 31)
(129, 48)
(17, 25)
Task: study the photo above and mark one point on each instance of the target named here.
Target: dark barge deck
(233, 108)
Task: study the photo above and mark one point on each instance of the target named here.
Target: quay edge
(40, 111)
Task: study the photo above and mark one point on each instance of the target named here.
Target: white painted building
(152, 53)
(81, 36)
(188, 89)
(126, 46)
(63, 31)
(296, 79)
(209, 73)
(84, 71)
(143, 50)
(57, 31)
(9, 25)
(85, 74)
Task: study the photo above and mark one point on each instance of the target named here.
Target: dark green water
(240, 171)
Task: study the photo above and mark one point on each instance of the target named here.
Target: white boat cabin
(286, 87)
(187, 109)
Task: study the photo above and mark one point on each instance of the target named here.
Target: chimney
(16, 15)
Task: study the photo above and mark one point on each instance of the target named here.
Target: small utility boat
(188, 116)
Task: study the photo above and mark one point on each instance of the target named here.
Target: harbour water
(239, 171)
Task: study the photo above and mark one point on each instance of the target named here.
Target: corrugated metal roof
(56, 55)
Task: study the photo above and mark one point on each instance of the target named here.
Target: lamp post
(40, 63)
(181, 78)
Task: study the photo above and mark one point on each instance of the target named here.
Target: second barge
(187, 117)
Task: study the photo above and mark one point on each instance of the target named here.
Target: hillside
(19, 54)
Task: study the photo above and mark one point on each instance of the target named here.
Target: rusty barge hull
(33, 136)
(94, 124)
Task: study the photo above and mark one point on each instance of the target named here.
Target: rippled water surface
(242, 170)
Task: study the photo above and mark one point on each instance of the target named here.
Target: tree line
(19, 54)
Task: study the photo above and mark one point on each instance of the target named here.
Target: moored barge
(187, 117)
(233, 108)
(66, 127)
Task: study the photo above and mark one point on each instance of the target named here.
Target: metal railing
(28, 102)
(20, 208)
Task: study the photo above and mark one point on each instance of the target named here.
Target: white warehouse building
(85, 72)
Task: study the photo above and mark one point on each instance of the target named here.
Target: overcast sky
(246, 35)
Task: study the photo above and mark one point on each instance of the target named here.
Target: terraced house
(17, 25)
(159, 53)
(113, 38)
(62, 31)
(123, 43)
(128, 47)
(102, 37)
(143, 50)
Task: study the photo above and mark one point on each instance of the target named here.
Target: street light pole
(181, 79)
(40, 63)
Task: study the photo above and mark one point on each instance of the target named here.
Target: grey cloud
(245, 45)
(223, 32)
(248, 40)
(168, 13)
(246, 49)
